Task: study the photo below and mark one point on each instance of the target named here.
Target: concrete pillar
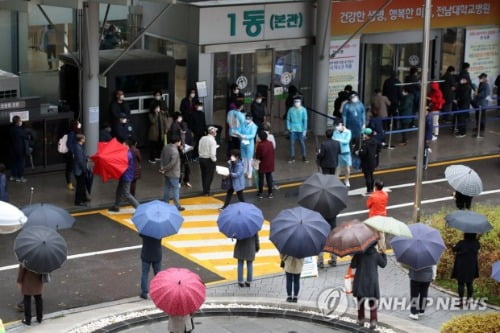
(321, 66)
(90, 74)
(206, 73)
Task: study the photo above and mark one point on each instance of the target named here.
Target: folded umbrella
(240, 220)
(40, 249)
(299, 232)
(422, 250)
(464, 180)
(177, 291)
(389, 225)
(157, 219)
(325, 194)
(48, 215)
(11, 218)
(495, 271)
(350, 237)
(468, 222)
(110, 160)
(89, 180)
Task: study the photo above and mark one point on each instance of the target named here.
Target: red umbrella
(350, 238)
(177, 291)
(111, 160)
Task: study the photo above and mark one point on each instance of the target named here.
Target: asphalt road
(98, 277)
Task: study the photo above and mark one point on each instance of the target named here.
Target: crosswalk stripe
(229, 254)
(203, 230)
(209, 242)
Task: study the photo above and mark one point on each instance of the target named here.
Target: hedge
(473, 323)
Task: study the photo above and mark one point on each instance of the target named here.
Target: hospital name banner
(399, 15)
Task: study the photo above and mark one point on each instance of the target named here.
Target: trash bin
(219, 132)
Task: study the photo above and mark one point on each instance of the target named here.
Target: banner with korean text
(348, 16)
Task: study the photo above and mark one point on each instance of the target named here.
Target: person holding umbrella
(420, 280)
(30, 284)
(293, 268)
(151, 256)
(465, 267)
(123, 188)
(462, 201)
(245, 250)
(365, 285)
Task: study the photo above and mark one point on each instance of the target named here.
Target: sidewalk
(393, 283)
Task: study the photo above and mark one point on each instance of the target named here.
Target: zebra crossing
(200, 241)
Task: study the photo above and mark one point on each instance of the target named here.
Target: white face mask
(179, 120)
(297, 104)
(258, 100)
(122, 97)
(355, 99)
(249, 121)
(79, 125)
(123, 120)
(236, 91)
(340, 128)
(192, 95)
(158, 97)
(199, 108)
(233, 158)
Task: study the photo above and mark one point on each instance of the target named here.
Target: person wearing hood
(365, 286)
(436, 101)
(258, 110)
(353, 117)
(247, 134)
(369, 156)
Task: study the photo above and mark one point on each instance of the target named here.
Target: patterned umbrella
(177, 291)
(464, 180)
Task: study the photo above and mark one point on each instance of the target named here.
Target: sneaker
(321, 265)
(143, 296)
(247, 284)
(360, 322)
(434, 137)
(114, 209)
(291, 161)
(347, 184)
(289, 299)
(332, 263)
(270, 196)
(305, 160)
(276, 187)
(70, 187)
(373, 324)
(413, 316)
(259, 196)
(294, 300)
(187, 184)
(152, 161)
(180, 208)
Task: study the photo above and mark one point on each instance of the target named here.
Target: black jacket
(447, 87)
(18, 137)
(328, 153)
(392, 90)
(368, 153)
(151, 249)
(463, 96)
(258, 112)
(198, 125)
(366, 276)
(466, 267)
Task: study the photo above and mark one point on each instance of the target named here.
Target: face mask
(258, 100)
(297, 104)
(249, 121)
(236, 91)
(340, 128)
(79, 125)
(123, 121)
(355, 99)
(121, 97)
(463, 81)
(192, 95)
(179, 120)
(233, 159)
(158, 97)
(199, 108)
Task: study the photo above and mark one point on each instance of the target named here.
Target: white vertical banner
(344, 68)
(482, 52)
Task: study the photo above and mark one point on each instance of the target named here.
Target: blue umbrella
(495, 271)
(468, 222)
(299, 232)
(423, 250)
(157, 219)
(48, 215)
(240, 220)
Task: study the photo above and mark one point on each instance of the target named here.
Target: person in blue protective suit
(247, 133)
(343, 136)
(353, 116)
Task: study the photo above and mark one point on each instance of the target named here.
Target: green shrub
(473, 323)
(484, 286)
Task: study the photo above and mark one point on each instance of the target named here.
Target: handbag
(348, 280)
(226, 183)
(282, 263)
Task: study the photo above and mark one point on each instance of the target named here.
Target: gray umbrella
(48, 215)
(468, 222)
(40, 249)
(325, 194)
(464, 180)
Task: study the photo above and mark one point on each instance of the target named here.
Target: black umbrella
(468, 222)
(89, 179)
(325, 194)
(40, 249)
(48, 215)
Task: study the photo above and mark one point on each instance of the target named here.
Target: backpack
(62, 145)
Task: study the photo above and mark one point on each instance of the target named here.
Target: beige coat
(379, 105)
(158, 122)
(292, 265)
(31, 283)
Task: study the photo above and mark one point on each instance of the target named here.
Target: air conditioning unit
(9, 85)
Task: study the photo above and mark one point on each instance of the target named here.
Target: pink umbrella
(177, 291)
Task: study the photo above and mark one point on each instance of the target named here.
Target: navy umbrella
(423, 250)
(240, 220)
(325, 194)
(468, 222)
(157, 219)
(48, 215)
(299, 232)
(495, 271)
(40, 249)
